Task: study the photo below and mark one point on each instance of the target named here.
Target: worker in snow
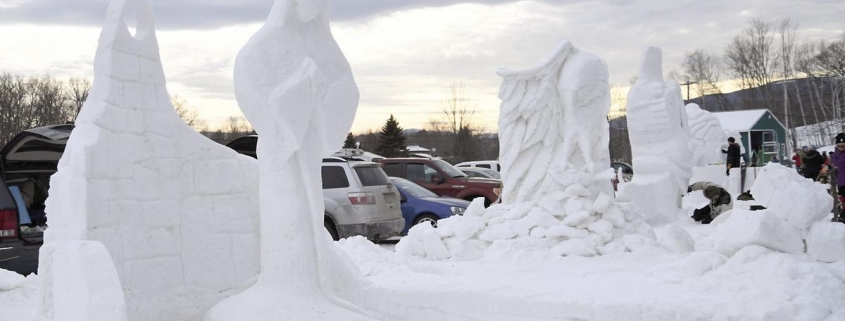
(812, 163)
(734, 155)
(720, 201)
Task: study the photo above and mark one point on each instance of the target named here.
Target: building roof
(417, 149)
(739, 121)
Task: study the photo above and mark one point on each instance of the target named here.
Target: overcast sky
(404, 53)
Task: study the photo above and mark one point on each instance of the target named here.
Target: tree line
(27, 102)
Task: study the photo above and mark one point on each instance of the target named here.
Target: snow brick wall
(176, 211)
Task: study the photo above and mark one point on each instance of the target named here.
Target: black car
(26, 164)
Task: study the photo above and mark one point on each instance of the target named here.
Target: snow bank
(706, 136)
(659, 132)
(793, 198)
(556, 173)
(296, 87)
(10, 280)
(796, 214)
(176, 211)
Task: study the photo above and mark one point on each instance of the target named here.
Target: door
(426, 176)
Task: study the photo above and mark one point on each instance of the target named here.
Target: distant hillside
(812, 92)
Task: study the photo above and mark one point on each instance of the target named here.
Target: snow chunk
(762, 228)
(88, 289)
(793, 198)
(10, 280)
(675, 239)
(826, 241)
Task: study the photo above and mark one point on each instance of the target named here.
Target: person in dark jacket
(813, 164)
(837, 160)
(720, 201)
(734, 155)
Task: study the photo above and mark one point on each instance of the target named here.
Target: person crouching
(720, 201)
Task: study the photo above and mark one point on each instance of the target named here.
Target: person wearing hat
(812, 163)
(720, 201)
(837, 160)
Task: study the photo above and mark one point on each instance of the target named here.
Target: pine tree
(349, 142)
(391, 139)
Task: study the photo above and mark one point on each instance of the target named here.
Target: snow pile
(176, 211)
(706, 136)
(296, 87)
(556, 173)
(795, 214)
(659, 133)
(10, 280)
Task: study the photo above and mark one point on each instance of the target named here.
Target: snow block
(10, 280)
(744, 228)
(85, 284)
(826, 241)
(795, 199)
(655, 196)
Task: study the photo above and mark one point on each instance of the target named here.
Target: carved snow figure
(706, 136)
(659, 133)
(136, 186)
(296, 87)
(555, 169)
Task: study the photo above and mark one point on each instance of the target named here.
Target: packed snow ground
(754, 284)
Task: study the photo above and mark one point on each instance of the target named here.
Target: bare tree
(705, 69)
(77, 92)
(456, 119)
(187, 113)
(238, 126)
(786, 30)
(751, 58)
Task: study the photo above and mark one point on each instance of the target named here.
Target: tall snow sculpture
(296, 87)
(557, 194)
(175, 211)
(659, 132)
(706, 136)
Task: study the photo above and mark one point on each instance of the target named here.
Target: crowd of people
(812, 164)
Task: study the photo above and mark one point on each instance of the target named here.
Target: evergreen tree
(391, 139)
(349, 142)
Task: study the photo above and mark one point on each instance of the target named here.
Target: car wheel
(426, 218)
(332, 230)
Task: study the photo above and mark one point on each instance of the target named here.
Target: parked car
(479, 172)
(26, 164)
(488, 164)
(442, 178)
(358, 196)
(421, 206)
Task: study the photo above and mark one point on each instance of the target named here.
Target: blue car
(420, 205)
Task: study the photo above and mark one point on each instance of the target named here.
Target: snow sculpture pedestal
(295, 86)
(557, 195)
(659, 133)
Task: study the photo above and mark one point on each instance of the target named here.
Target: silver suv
(360, 200)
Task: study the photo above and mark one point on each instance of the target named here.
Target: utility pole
(688, 83)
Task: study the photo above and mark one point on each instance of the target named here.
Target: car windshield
(450, 170)
(412, 188)
(492, 173)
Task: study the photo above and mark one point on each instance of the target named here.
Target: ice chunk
(793, 198)
(745, 228)
(826, 241)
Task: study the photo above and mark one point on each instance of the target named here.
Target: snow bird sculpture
(296, 88)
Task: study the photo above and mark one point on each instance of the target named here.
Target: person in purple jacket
(838, 160)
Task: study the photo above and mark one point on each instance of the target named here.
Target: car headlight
(457, 210)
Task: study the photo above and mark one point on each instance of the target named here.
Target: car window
(420, 172)
(412, 188)
(473, 174)
(450, 170)
(498, 167)
(493, 174)
(483, 166)
(371, 176)
(392, 169)
(334, 177)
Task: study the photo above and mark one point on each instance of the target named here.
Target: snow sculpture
(296, 87)
(706, 136)
(176, 211)
(659, 133)
(556, 172)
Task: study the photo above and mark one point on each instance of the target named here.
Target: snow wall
(176, 211)
(706, 136)
(557, 195)
(659, 132)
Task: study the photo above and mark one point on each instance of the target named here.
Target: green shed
(759, 130)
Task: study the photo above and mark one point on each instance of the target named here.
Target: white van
(489, 164)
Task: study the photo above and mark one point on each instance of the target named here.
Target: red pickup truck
(442, 178)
